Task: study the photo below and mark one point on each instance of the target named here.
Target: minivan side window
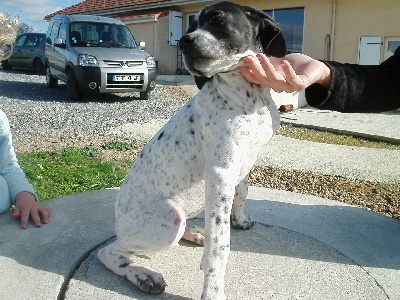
(52, 33)
(62, 34)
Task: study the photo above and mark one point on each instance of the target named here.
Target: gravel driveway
(42, 118)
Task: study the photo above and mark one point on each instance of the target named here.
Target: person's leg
(5, 201)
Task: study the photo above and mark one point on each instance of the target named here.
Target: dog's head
(225, 32)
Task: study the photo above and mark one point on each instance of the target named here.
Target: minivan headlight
(87, 60)
(151, 62)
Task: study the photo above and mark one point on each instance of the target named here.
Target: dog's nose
(185, 41)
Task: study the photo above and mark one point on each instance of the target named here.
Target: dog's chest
(243, 111)
(224, 126)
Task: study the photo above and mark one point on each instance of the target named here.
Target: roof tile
(97, 5)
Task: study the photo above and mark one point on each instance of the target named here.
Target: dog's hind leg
(153, 229)
(238, 218)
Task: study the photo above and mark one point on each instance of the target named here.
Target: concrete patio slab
(301, 247)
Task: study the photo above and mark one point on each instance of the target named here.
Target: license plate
(126, 77)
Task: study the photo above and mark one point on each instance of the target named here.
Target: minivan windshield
(93, 34)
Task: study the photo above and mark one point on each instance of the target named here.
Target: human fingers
(35, 216)
(17, 212)
(293, 80)
(255, 66)
(248, 75)
(271, 66)
(274, 75)
(261, 71)
(45, 214)
(24, 216)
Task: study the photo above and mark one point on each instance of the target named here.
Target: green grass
(69, 171)
(118, 145)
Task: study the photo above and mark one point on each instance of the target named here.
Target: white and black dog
(203, 155)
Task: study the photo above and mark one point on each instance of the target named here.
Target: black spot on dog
(124, 265)
(218, 220)
(191, 131)
(160, 136)
(191, 119)
(226, 209)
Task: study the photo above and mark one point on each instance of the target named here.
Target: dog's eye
(215, 16)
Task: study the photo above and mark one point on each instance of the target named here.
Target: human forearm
(356, 88)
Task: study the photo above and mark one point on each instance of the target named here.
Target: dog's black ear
(269, 32)
(201, 81)
(194, 24)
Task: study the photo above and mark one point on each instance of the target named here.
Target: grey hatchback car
(28, 53)
(94, 54)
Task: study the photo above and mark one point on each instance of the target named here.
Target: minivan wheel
(72, 86)
(38, 67)
(50, 80)
(5, 65)
(145, 95)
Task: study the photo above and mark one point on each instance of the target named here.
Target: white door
(175, 27)
(369, 50)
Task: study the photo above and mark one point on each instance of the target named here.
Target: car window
(101, 34)
(32, 41)
(52, 33)
(62, 34)
(41, 38)
(21, 40)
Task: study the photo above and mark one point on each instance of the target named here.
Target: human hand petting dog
(26, 207)
(294, 72)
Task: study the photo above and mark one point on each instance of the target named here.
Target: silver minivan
(95, 54)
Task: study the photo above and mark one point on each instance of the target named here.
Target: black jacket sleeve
(357, 88)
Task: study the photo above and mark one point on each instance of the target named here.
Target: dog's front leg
(239, 219)
(219, 198)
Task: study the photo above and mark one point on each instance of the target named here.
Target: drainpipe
(332, 29)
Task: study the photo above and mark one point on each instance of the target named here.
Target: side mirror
(142, 45)
(59, 43)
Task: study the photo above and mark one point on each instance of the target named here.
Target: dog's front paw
(244, 222)
(150, 283)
